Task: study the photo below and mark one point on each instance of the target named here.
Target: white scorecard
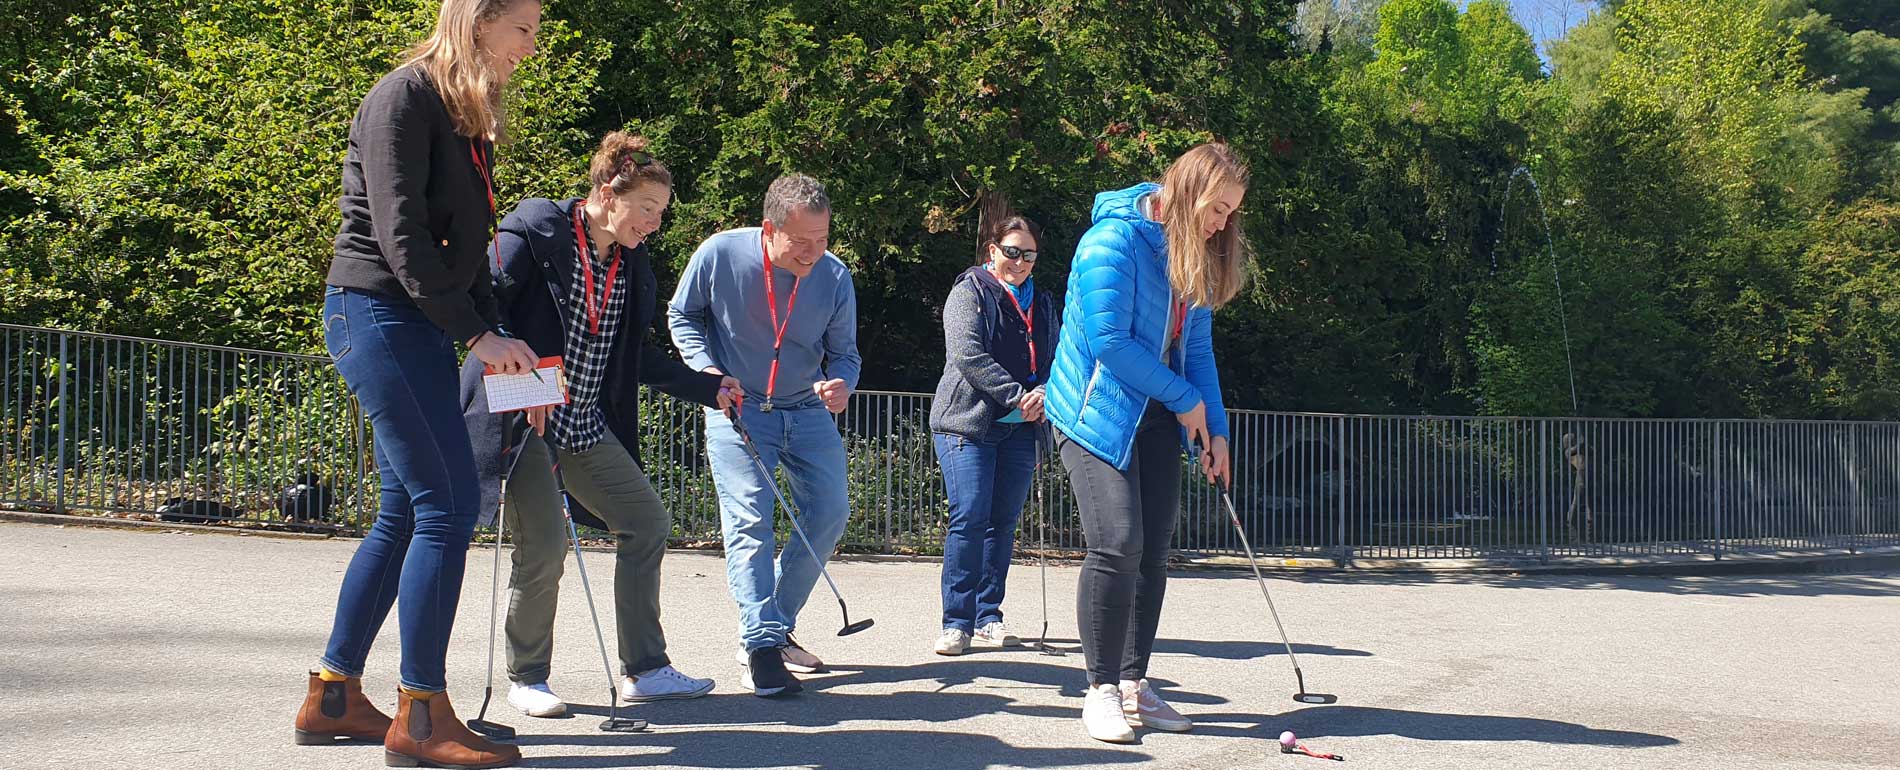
(514, 392)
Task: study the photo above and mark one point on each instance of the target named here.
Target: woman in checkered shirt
(574, 280)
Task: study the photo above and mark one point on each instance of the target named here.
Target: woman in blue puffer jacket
(1134, 383)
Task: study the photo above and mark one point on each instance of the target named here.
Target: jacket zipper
(1167, 323)
(1094, 372)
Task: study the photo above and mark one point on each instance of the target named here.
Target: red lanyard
(778, 329)
(595, 306)
(488, 183)
(1180, 319)
(1029, 326)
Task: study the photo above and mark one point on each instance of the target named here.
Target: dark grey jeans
(1128, 519)
(608, 481)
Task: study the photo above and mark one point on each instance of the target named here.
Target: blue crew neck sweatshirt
(718, 317)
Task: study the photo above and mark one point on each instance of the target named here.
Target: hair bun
(623, 161)
(619, 143)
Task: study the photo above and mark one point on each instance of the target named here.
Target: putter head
(615, 723)
(623, 725)
(1315, 698)
(1042, 643)
(491, 730)
(852, 628)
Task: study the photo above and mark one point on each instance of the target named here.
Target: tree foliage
(1689, 211)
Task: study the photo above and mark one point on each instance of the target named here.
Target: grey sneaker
(1143, 708)
(798, 659)
(795, 658)
(993, 634)
(952, 642)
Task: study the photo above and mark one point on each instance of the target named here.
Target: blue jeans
(805, 442)
(404, 372)
(987, 484)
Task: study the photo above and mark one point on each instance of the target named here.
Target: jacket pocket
(1088, 391)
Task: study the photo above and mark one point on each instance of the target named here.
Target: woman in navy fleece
(998, 338)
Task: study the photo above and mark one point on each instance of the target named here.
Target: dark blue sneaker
(765, 673)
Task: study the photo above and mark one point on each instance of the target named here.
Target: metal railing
(190, 433)
(186, 432)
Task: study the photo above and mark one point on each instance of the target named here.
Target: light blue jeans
(805, 442)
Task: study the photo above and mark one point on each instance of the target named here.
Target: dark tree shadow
(830, 749)
(1342, 721)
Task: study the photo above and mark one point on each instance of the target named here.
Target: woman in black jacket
(573, 279)
(999, 339)
(406, 286)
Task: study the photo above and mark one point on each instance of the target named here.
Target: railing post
(1716, 476)
(889, 473)
(1339, 441)
(1853, 487)
(59, 449)
(1543, 494)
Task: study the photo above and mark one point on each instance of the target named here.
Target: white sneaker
(797, 659)
(1102, 715)
(1142, 707)
(952, 642)
(993, 634)
(663, 683)
(536, 700)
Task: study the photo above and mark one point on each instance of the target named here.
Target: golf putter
(1299, 678)
(480, 723)
(791, 512)
(1045, 448)
(614, 723)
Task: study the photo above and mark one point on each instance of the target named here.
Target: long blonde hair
(452, 61)
(1206, 272)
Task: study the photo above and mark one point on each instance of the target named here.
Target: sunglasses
(1026, 255)
(639, 159)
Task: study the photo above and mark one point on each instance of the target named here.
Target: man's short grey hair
(793, 193)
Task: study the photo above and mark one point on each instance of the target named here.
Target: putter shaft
(791, 512)
(1233, 515)
(613, 722)
(480, 723)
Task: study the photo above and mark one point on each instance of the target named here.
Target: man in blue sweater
(772, 307)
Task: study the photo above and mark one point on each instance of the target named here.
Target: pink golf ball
(1287, 739)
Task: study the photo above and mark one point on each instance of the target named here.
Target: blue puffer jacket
(1113, 356)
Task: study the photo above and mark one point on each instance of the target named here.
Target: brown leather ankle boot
(334, 711)
(427, 734)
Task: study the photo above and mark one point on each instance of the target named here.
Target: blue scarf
(1024, 293)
